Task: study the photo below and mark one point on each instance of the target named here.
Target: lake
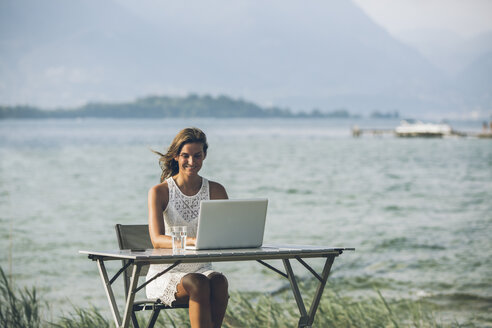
(418, 211)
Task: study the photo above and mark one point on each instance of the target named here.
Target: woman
(176, 201)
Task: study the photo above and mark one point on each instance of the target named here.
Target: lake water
(418, 211)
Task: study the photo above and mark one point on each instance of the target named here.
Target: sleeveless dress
(181, 210)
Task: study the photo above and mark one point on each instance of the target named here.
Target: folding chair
(137, 237)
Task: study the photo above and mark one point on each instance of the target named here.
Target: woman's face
(190, 158)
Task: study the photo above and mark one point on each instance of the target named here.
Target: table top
(242, 254)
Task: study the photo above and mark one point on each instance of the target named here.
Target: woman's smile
(191, 157)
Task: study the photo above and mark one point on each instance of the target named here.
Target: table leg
(297, 293)
(306, 320)
(109, 292)
(320, 289)
(131, 291)
(131, 294)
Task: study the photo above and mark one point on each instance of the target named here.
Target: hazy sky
(258, 57)
(464, 17)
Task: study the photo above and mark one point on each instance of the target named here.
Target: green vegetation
(159, 107)
(21, 308)
(83, 318)
(255, 310)
(18, 309)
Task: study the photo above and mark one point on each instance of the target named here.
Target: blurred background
(424, 59)
(277, 86)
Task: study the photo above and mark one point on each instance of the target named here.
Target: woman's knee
(197, 285)
(219, 285)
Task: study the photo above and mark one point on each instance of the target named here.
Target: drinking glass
(178, 234)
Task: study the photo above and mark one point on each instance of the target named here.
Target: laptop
(229, 223)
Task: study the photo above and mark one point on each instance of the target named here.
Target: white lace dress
(181, 210)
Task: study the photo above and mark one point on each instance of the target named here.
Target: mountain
(59, 53)
(321, 54)
(475, 83)
(447, 50)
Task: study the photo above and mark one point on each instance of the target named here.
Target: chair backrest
(133, 236)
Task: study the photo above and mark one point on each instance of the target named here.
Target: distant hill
(163, 106)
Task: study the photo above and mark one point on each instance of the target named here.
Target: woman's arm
(217, 191)
(157, 201)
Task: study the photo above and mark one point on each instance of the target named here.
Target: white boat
(419, 129)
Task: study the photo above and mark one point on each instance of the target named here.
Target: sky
(466, 18)
(54, 74)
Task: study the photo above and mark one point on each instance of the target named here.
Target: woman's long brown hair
(167, 163)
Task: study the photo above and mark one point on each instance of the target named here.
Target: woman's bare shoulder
(217, 191)
(160, 190)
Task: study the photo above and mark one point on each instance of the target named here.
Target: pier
(358, 132)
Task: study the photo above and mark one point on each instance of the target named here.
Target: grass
(83, 318)
(18, 308)
(334, 311)
(22, 308)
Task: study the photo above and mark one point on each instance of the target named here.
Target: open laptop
(229, 223)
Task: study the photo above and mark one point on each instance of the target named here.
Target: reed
(22, 308)
(18, 308)
(254, 310)
(83, 318)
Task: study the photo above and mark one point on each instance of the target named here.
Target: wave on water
(400, 243)
(417, 211)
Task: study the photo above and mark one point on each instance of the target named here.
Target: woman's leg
(219, 296)
(196, 288)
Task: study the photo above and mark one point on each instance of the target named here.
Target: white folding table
(136, 259)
